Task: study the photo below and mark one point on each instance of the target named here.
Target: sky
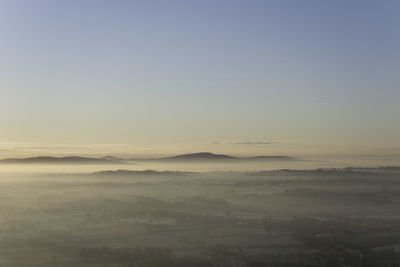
(250, 75)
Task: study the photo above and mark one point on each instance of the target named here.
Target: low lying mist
(128, 217)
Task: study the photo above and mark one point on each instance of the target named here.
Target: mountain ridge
(197, 157)
(64, 160)
(208, 156)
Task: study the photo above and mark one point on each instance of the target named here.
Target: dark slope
(200, 156)
(60, 160)
(207, 156)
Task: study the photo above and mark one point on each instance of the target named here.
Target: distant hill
(199, 156)
(113, 158)
(195, 157)
(207, 156)
(61, 160)
(144, 172)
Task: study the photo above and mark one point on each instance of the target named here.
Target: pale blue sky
(165, 72)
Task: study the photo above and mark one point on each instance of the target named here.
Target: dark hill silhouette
(113, 158)
(200, 155)
(143, 172)
(197, 157)
(61, 160)
(207, 156)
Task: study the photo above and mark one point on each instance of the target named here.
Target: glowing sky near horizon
(167, 72)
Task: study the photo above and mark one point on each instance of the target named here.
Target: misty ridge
(196, 157)
(207, 156)
(65, 160)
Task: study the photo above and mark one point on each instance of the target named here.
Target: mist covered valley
(268, 213)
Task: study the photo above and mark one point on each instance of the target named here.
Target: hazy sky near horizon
(167, 72)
